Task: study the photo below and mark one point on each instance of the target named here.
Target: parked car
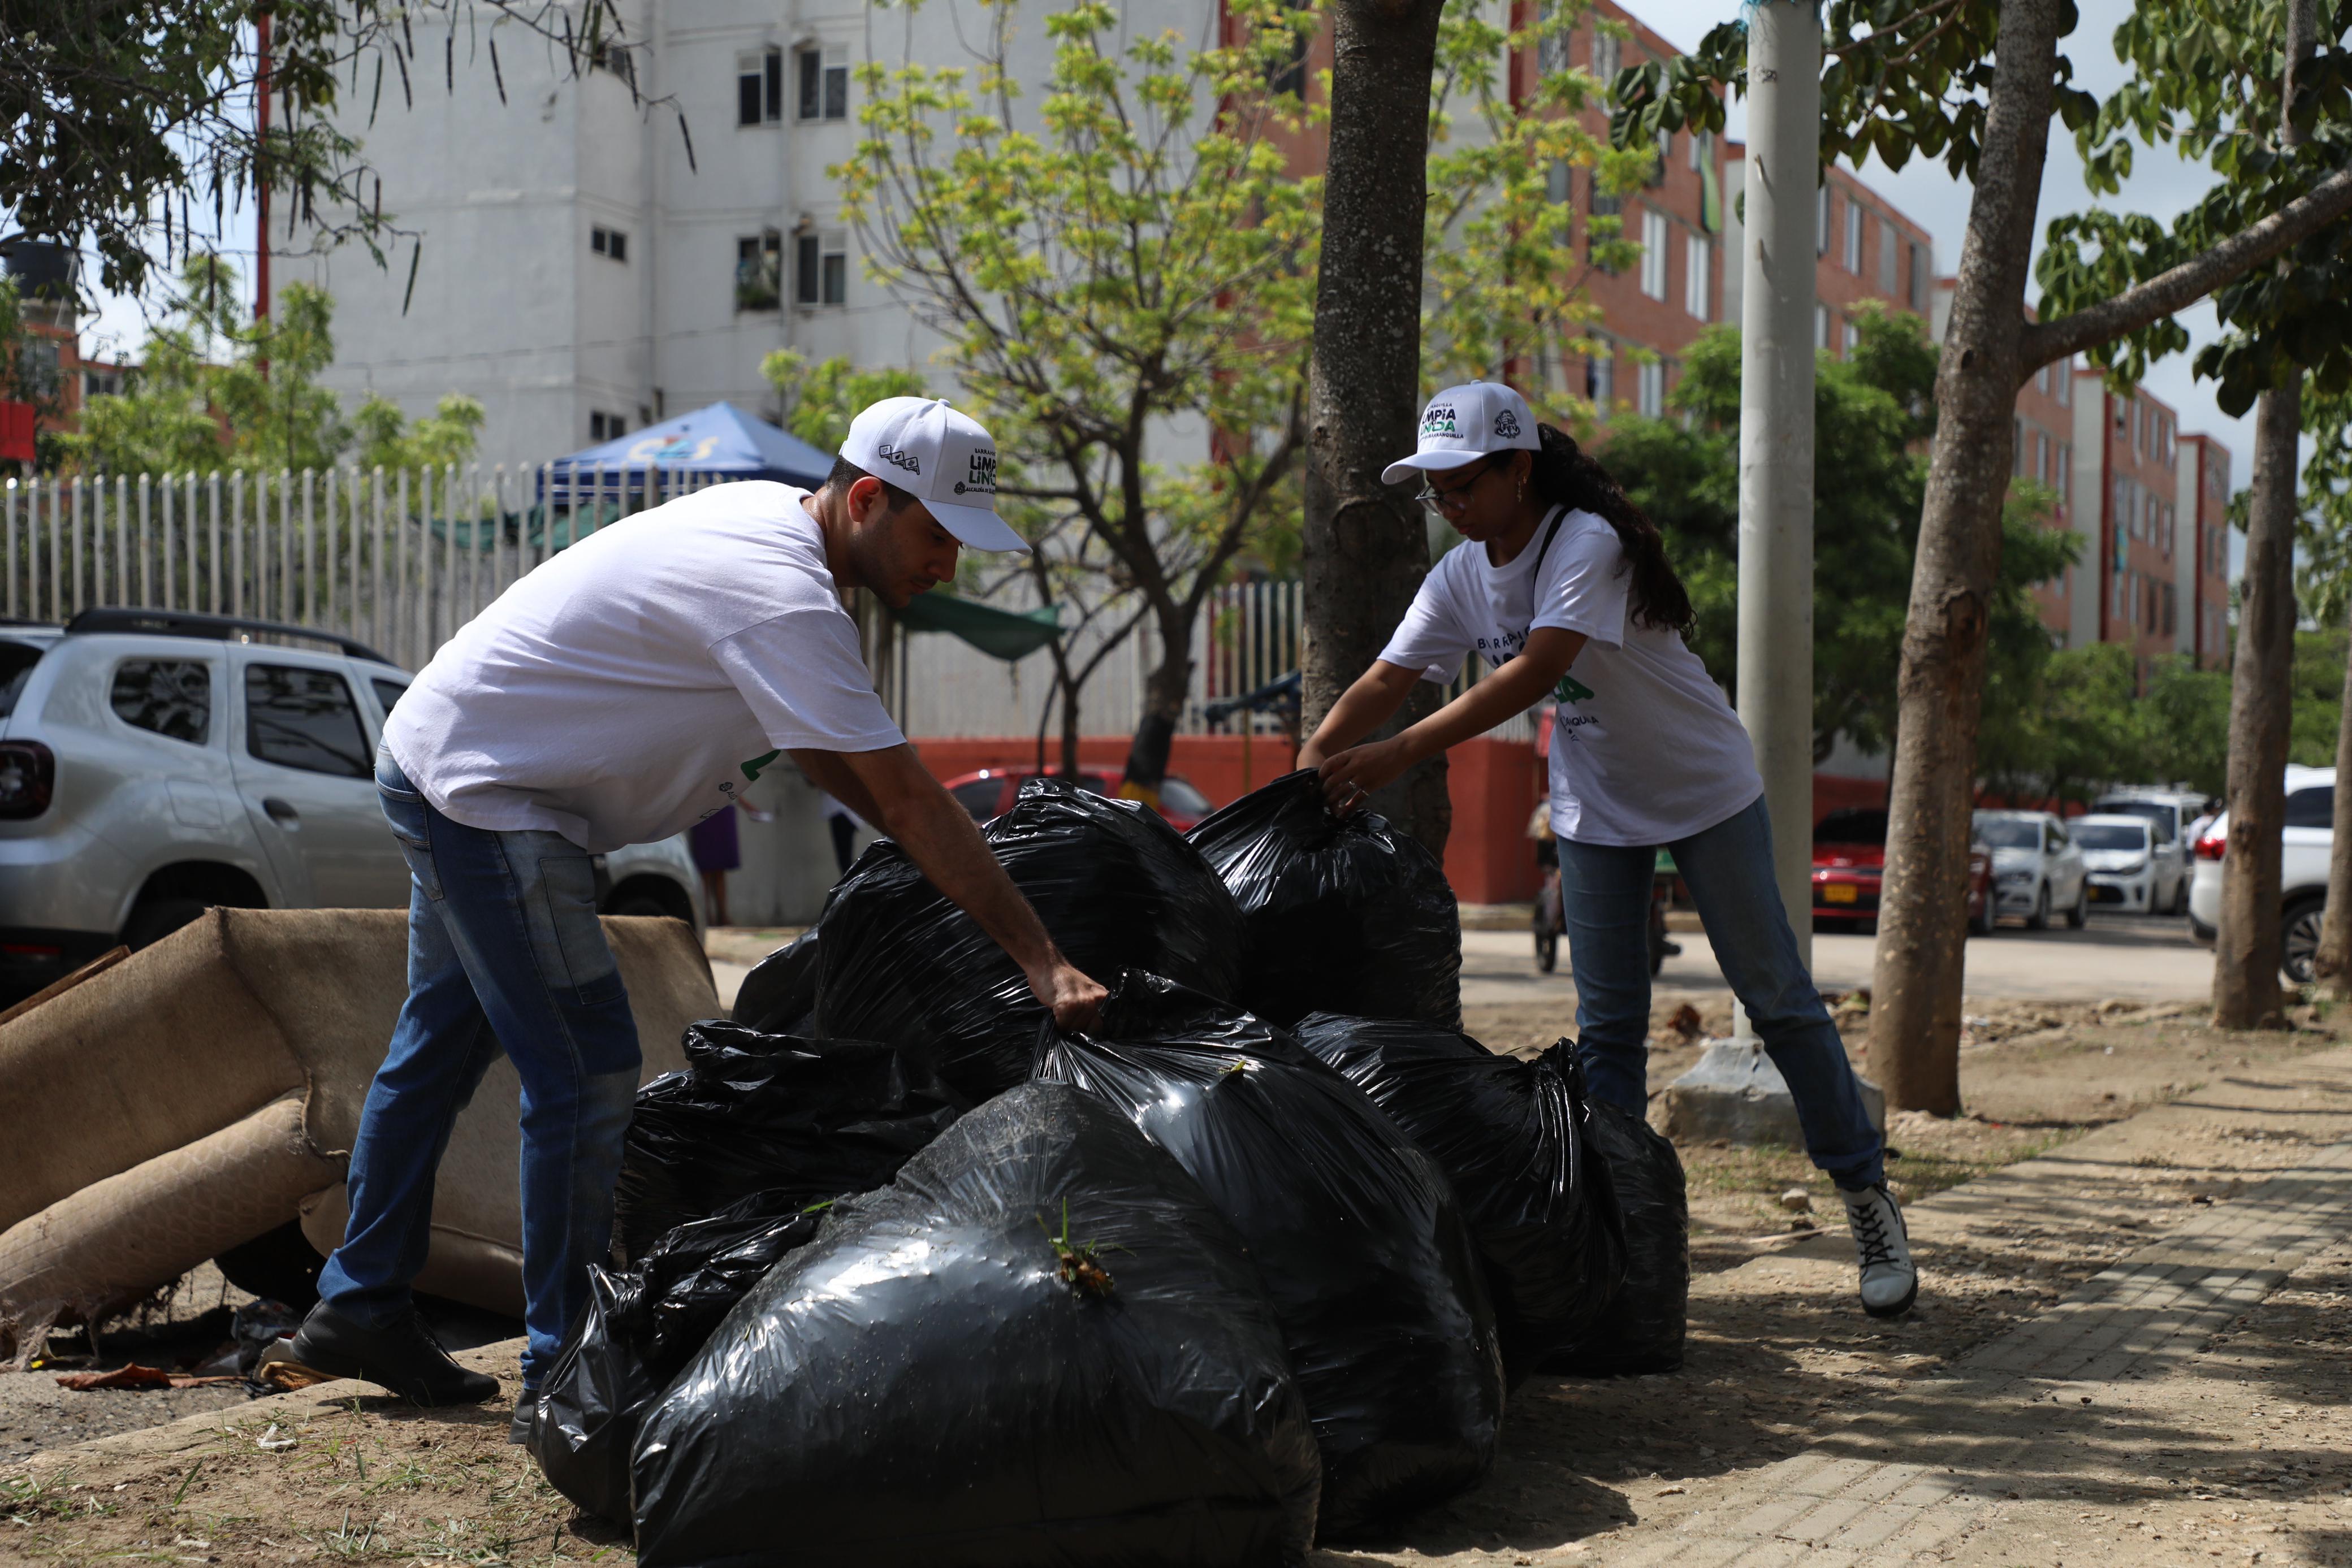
(2171, 814)
(2119, 852)
(2037, 867)
(1849, 858)
(2306, 840)
(990, 792)
(154, 764)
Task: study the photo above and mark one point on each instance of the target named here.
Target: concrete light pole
(1776, 431)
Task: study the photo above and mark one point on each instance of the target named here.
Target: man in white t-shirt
(628, 688)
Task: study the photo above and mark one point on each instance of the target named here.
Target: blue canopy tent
(646, 467)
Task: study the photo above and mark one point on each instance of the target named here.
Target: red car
(990, 792)
(1849, 854)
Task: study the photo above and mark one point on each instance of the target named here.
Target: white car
(153, 764)
(2305, 841)
(2037, 868)
(2119, 853)
(2171, 814)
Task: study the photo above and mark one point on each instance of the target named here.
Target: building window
(2061, 382)
(1560, 185)
(820, 270)
(824, 85)
(1650, 380)
(1850, 336)
(2017, 447)
(1608, 60)
(1855, 218)
(1698, 276)
(2066, 472)
(1653, 253)
(172, 697)
(1821, 325)
(607, 426)
(610, 243)
(1821, 221)
(1551, 41)
(759, 271)
(1919, 278)
(1888, 250)
(760, 88)
(1600, 380)
(615, 59)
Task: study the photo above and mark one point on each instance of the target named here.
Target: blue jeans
(504, 953)
(1729, 868)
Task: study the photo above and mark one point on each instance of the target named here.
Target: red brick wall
(2136, 432)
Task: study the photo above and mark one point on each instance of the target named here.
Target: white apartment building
(580, 276)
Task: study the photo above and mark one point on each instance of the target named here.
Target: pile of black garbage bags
(903, 1274)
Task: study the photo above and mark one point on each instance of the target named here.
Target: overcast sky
(2162, 184)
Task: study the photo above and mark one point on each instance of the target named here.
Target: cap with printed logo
(939, 455)
(1463, 425)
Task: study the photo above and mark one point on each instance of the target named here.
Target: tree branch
(2180, 286)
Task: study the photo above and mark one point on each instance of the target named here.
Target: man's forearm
(828, 772)
(950, 850)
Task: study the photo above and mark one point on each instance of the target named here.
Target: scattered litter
(270, 1442)
(137, 1376)
(1796, 1200)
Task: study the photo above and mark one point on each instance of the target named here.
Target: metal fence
(401, 560)
(398, 561)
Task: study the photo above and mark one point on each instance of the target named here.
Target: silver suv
(153, 764)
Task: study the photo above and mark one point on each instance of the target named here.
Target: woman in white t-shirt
(1564, 588)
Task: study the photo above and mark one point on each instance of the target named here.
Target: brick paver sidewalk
(2072, 1400)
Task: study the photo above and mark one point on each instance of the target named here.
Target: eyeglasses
(1454, 498)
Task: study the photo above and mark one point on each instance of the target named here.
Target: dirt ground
(1776, 1359)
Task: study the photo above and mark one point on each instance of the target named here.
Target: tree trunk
(2246, 958)
(2261, 672)
(1165, 692)
(1915, 1007)
(2331, 966)
(1365, 546)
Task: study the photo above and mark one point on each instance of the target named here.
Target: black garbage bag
(1641, 1330)
(1356, 1234)
(754, 1112)
(1040, 1344)
(1116, 886)
(641, 1328)
(1341, 915)
(779, 996)
(592, 1398)
(1511, 1136)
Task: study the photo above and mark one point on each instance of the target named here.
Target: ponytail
(1565, 475)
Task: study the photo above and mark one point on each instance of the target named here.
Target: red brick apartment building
(2202, 491)
(44, 277)
(2137, 584)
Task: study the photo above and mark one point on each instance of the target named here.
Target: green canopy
(1001, 633)
(533, 524)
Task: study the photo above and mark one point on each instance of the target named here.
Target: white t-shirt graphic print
(1644, 749)
(637, 682)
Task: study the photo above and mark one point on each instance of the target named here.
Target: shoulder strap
(1550, 534)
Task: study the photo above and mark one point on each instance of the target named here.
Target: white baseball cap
(1463, 425)
(940, 456)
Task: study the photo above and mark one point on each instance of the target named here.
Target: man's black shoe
(403, 1355)
(525, 1411)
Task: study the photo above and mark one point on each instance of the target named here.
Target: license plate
(2106, 894)
(1839, 893)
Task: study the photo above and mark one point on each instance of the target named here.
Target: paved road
(2139, 957)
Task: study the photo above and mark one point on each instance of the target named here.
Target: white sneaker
(1890, 1280)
